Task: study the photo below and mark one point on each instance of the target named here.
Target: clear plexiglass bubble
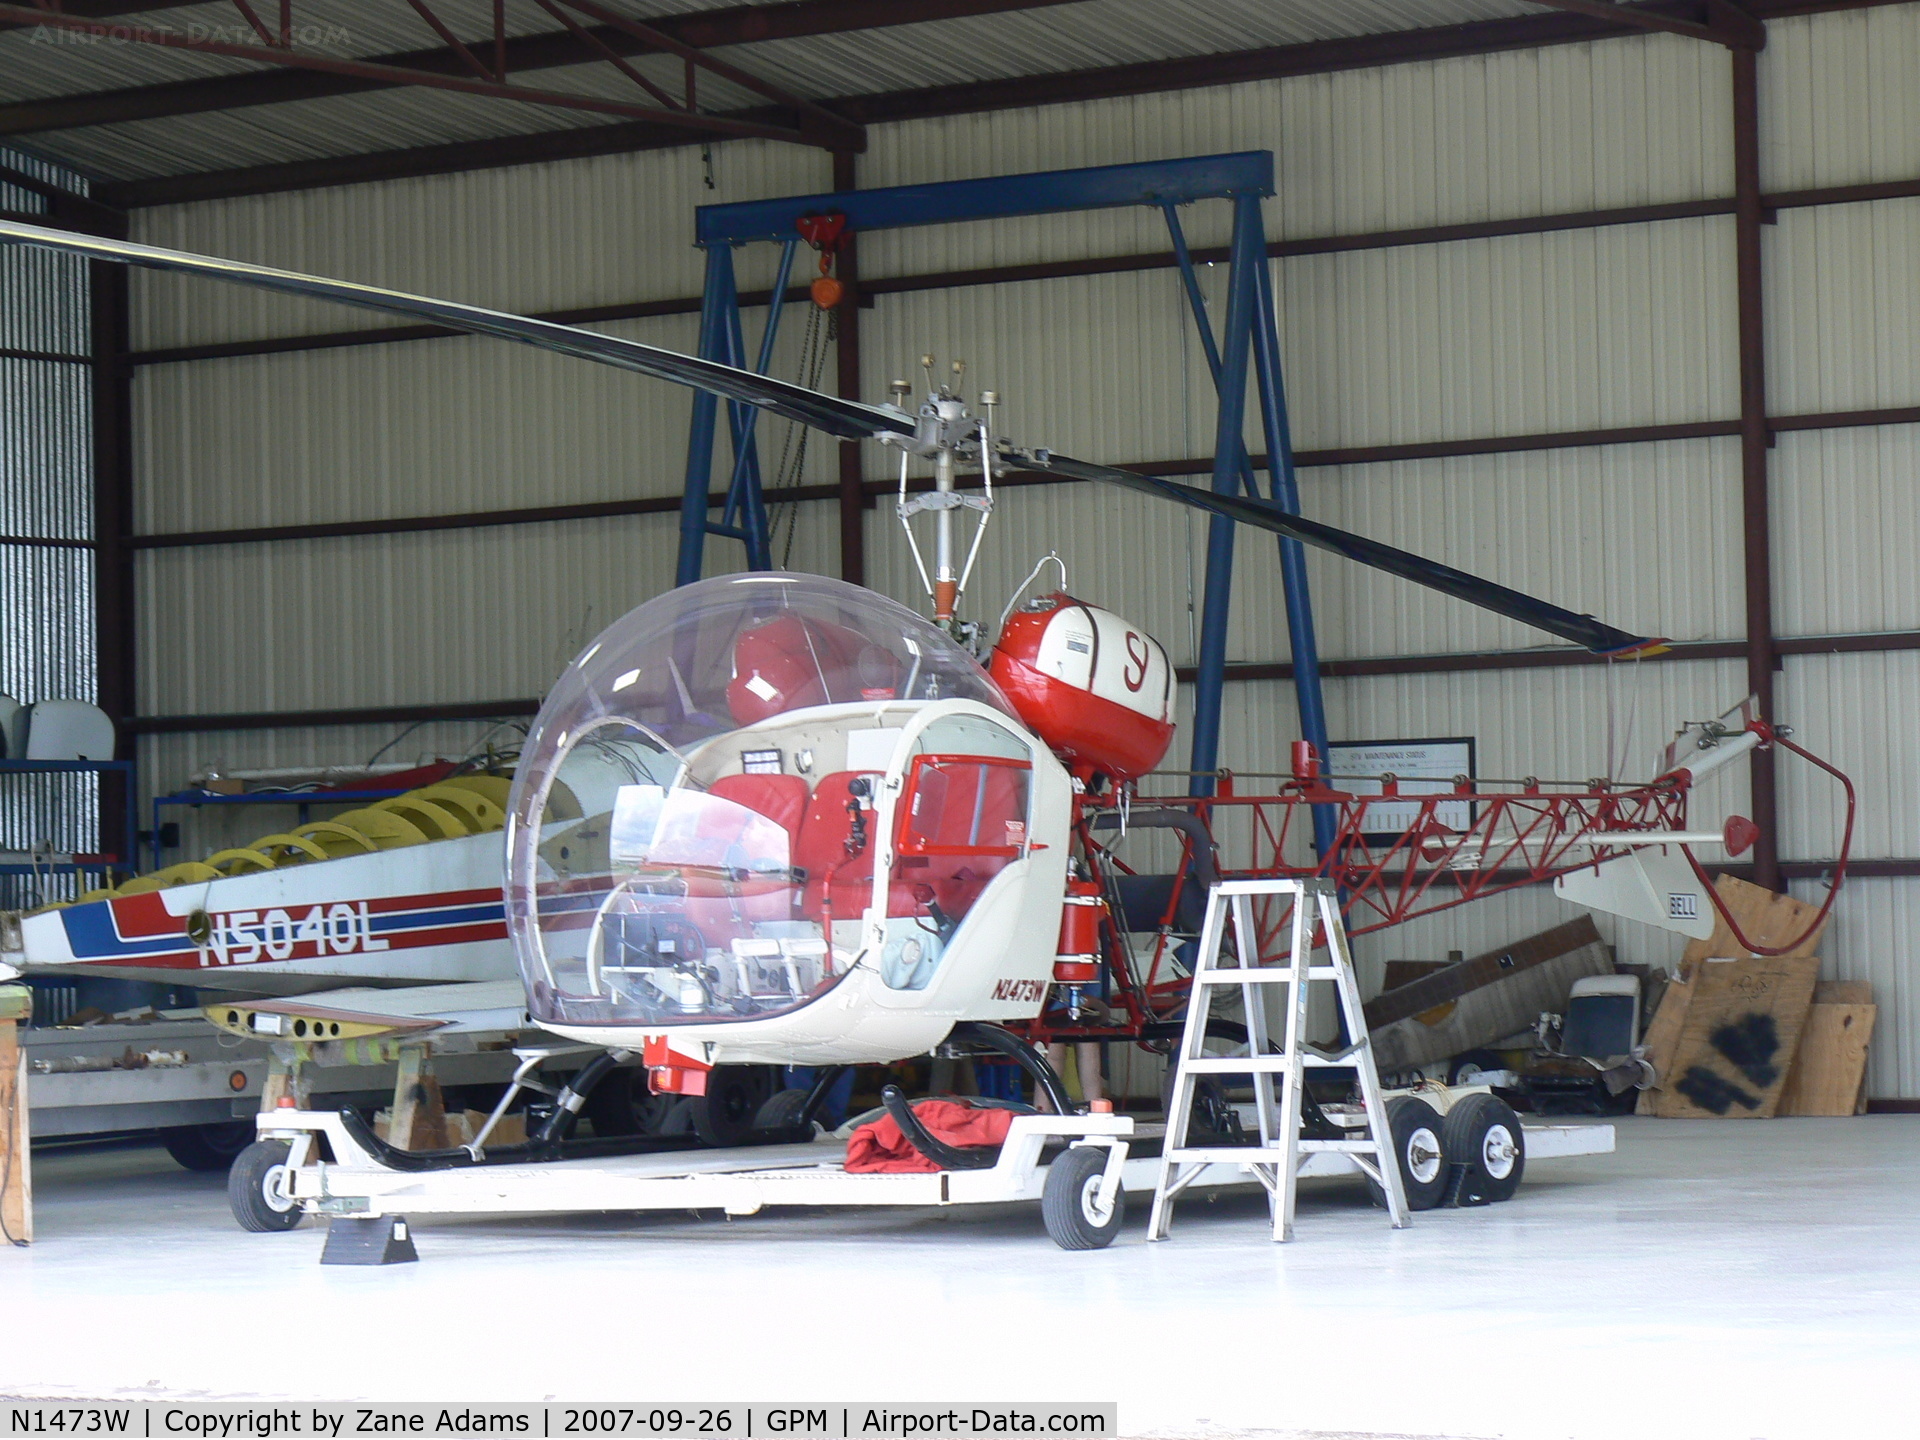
(655, 872)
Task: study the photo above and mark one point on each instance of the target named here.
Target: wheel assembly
(1486, 1149)
(1070, 1201)
(209, 1149)
(724, 1116)
(257, 1188)
(622, 1105)
(1415, 1128)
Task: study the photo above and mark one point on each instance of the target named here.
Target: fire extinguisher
(1076, 960)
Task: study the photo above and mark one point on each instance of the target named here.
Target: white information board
(1423, 767)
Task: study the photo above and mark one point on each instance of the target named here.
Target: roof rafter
(1232, 67)
(1725, 23)
(701, 30)
(800, 120)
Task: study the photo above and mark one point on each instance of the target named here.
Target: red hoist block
(1077, 961)
(1098, 690)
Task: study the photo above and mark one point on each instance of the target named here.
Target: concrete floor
(1712, 1279)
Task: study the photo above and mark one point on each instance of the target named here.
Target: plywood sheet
(1843, 992)
(16, 1172)
(1831, 1063)
(1743, 1024)
(1765, 918)
(1663, 1038)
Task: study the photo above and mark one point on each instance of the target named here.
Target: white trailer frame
(357, 1183)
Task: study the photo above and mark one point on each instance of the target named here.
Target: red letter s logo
(1137, 654)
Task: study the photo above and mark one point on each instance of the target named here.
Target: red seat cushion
(781, 798)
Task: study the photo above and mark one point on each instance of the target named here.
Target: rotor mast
(946, 433)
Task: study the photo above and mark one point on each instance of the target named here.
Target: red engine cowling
(1097, 690)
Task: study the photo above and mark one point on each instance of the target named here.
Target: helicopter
(774, 818)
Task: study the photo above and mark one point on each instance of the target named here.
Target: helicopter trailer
(1067, 1163)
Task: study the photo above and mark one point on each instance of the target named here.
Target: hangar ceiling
(162, 103)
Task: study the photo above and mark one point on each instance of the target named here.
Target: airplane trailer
(1047, 1158)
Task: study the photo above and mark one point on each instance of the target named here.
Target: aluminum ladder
(1275, 1161)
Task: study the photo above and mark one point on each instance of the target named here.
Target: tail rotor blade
(848, 419)
(1265, 515)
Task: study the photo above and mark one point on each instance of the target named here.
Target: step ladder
(1275, 1160)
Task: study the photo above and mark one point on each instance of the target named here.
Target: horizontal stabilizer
(1655, 887)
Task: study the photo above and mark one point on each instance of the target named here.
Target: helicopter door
(962, 817)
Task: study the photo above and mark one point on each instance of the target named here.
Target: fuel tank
(1095, 687)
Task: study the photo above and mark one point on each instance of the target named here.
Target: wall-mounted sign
(1423, 767)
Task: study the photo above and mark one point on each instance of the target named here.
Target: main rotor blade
(848, 419)
(1265, 515)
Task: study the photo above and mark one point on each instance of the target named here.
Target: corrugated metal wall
(1624, 326)
(46, 494)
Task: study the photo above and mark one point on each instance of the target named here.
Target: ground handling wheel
(257, 1188)
(210, 1149)
(1419, 1151)
(1069, 1202)
(724, 1116)
(1486, 1150)
(781, 1110)
(621, 1104)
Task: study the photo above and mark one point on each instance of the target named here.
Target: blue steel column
(693, 502)
(1301, 637)
(1183, 257)
(746, 505)
(1229, 448)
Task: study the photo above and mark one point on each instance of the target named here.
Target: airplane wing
(470, 1007)
(848, 419)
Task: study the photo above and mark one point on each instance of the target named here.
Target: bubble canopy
(654, 873)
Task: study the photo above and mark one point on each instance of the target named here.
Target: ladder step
(1256, 1064)
(1236, 1064)
(1270, 1154)
(1264, 975)
(1344, 1147)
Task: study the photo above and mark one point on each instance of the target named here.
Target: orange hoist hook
(825, 233)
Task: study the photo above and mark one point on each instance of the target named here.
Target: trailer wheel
(1068, 1200)
(1487, 1149)
(256, 1188)
(724, 1116)
(621, 1104)
(1420, 1151)
(781, 1111)
(208, 1149)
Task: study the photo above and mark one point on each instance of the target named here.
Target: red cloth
(881, 1147)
